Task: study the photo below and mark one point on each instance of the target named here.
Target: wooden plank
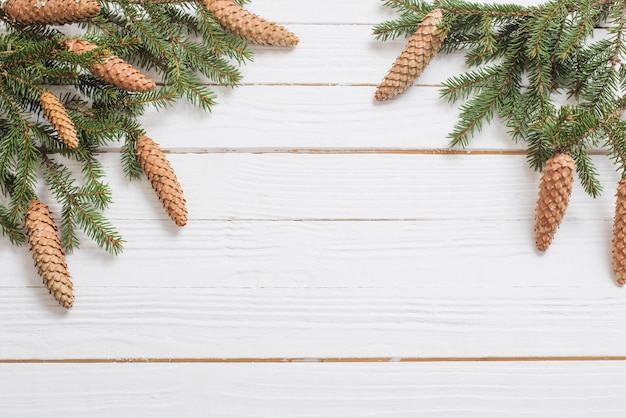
(319, 390)
(346, 55)
(329, 11)
(331, 254)
(339, 54)
(243, 186)
(318, 117)
(166, 321)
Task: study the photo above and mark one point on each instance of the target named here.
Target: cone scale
(555, 189)
(246, 25)
(163, 179)
(113, 69)
(619, 234)
(55, 113)
(47, 253)
(420, 50)
(50, 12)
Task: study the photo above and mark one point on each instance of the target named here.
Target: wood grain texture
(336, 254)
(318, 117)
(329, 12)
(174, 322)
(359, 58)
(314, 390)
(286, 186)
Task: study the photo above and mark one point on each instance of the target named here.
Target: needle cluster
(554, 74)
(75, 75)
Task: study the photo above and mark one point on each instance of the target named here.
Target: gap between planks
(340, 151)
(318, 360)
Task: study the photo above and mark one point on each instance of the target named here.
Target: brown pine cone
(421, 48)
(162, 178)
(619, 234)
(249, 26)
(45, 247)
(555, 189)
(50, 12)
(113, 69)
(55, 113)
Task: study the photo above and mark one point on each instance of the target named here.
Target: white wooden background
(338, 262)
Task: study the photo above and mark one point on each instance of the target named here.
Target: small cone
(56, 114)
(162, 178)
(619, 234)
(113, 70)
(249, 26)
(45, 247)
(555, 189)
(50, 12)
(421, 48)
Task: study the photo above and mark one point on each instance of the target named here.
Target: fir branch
(577, 30)
(470, 83)
(498, 95)
(79, 209)
(403, 26)
(586, 171)
(130, 163)
(9, 226)
(217, 41)
(616, 144)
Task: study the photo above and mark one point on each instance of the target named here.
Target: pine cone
(421, 48)
(45, 247)
(555, 189)
(619, 234)
(163, 179)
(56, 114)
(50, 12)
(249, 26)
(113, 70)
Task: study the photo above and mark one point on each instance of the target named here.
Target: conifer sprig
(64, 95)
(524, 64)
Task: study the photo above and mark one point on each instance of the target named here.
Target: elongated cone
(555, 189)
(50, 12)
(45, 247)
(162, 178)
(55, 113)
(619, 234)
(420, 50)
(113, 69)
(246, 25)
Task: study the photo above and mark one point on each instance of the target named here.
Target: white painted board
(325, 226)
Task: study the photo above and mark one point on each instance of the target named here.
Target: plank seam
(319, 360)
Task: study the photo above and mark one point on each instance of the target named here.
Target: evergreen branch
(214, 68)
(23, 187)
(77, 212)
(578, 30)
(616, 141)
(403, 26)
(409, 5)
(472, 115)
(9, 226)
(586, 171)
(217, 41)
(494, 96)
(541, 40)
(469, 83)
(130, 163)
(463, 8)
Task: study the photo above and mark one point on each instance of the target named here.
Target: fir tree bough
(540, 71)
(68, 91)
